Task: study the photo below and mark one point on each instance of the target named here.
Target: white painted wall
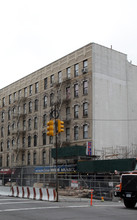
(109, 88)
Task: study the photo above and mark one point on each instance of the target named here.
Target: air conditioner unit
(84, 70)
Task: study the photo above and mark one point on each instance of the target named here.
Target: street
(66, 209)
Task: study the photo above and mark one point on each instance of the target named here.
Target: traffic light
(50, 128)
(60, 126)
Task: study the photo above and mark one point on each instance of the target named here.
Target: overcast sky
(34, 33)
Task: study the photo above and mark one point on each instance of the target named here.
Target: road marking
(39, 208)
(8, 203)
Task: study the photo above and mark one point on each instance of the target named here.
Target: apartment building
(93, 90)
(26, 107)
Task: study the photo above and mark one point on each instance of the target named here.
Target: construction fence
(76, 185)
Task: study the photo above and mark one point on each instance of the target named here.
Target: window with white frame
(85, 87)
(85, 131)
(85, 109)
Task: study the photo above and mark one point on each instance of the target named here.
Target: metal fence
(68, 184)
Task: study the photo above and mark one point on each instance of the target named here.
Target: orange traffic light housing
(50, 128)
(60, 126)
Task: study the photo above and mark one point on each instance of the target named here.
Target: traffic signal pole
(59, 127)
(56, 161)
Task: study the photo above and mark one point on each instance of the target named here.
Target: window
(59, 76)
(68, 92)
(8, 160)
(23, 141)
(76, 129)
(8, 129)
(85, 87)
(45, 101)
(18, 142)
(85, 131)
(44, 138)
(51, 99)
(8, 144)
(51, 80)
(50, 140)
(28, 158)
(34, 158)
(36, 105)
(44, 157)
(76, 90)
(67, 134)
(76, 70)
(29, 141)
(85, 66)
(30, 90)
(2, 131)
(76, 111)
(24, 108)
(85, 109)
(0, 161)
(30, 107)
(19, 93)
(36, 87)
(13, 126)
(25, 92)
(24, 125)
(67, 113)
(45, 83)
(45, 120)
(13, 142)
(10, 98)
(68, 72)
(14, 96)
(1, 147)
(29, 124)
(3, 101)
(35, 140)
(2, 116)
(35, 123)
(9, 114)
(23, 158)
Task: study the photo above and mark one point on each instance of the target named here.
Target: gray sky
(34, 33)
